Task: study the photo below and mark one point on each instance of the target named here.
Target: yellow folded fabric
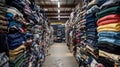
(14, 57)
(16, 53)
(109, 27)
(109, 55)
(22, 47)
(93, 2)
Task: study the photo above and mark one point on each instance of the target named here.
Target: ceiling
(51, 8)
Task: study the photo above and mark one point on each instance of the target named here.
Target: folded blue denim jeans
(91, 25)
(92, 29)
(14, 43)
(110, 40)
(15, 36)
(114, 35)
(94, 33)
(87, 16)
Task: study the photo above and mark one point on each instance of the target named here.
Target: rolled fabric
(112, 10)
(93, 9)
(22, 47)
(109, 27)
(113, 18)
(93, 2)
(110, 40)
(110, 3)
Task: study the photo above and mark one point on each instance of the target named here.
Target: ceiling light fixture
(58, 18)
(54, 0)
(58, 4)
(58, 10)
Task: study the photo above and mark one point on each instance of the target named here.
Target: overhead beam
(57, 11)
(55, 6)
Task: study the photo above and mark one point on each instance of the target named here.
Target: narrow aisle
(60, 57)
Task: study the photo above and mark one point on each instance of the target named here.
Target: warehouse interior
(59, 33)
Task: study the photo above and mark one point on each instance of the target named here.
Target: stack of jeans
(109, 26)
(91, 27)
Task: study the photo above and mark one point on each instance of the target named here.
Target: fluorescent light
(58, 18)
(58, 10)
(54, 0)
(58, 4)
(46, 9)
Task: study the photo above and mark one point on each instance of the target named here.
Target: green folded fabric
(112, 10)
(19, 62)
(17, 59)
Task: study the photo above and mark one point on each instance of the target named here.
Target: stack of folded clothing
(82, 25)
(109, 26)
(91, 27)
(4, 60)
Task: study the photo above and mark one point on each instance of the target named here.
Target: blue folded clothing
(91, 25)
(94, 29)
(14, 43)
(93, 33)
(15, 36)
(92, 21)
(109, 40)
(114, 35)
(9, 16)
(87, 16)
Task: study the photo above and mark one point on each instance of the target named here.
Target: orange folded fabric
(113, 18)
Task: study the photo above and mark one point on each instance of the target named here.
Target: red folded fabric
(109, 21)
(113, 18)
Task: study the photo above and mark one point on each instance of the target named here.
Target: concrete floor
(60, 57)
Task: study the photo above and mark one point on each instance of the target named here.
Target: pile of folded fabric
(109, 27)
(91, 27)
(4, 60)
(22, 15)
